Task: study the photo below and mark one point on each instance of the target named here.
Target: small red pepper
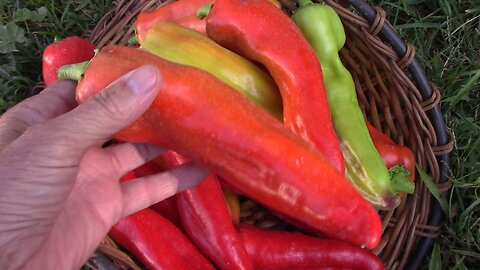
(167, 13)
(156, 242)
(399, 160)
(393, 154)
(70, 50)
(259, 31)
(201, 117)
(282, 250)
(207, 221)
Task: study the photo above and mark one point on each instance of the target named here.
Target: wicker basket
(395, 96)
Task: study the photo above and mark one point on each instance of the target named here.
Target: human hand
(59, 189)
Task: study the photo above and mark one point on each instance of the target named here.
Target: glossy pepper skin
(167, 13)
(182, 12)
(156, 242)
(194, 23)
(259, 31)
(324, 31)
(185, 46)
(392, 153)
(201, 117)
(207, 221)
(282, 250)
(168, 209)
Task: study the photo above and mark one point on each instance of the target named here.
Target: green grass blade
(468, 253)
(433, 188)
(453, 100)
(435, 259)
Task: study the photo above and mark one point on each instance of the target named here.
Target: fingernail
(143, 79)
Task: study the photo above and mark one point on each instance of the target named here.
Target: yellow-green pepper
(185, 46)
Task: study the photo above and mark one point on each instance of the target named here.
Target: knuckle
(118, 164)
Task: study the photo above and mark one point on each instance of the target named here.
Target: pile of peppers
(264, 100)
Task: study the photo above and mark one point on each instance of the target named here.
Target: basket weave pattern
(389, 100)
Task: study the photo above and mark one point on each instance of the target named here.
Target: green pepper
(365, 168)
(188, 47)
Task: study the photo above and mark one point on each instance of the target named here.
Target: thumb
(114, 108)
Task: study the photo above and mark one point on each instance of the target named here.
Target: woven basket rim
(373, 19)
(416, 70)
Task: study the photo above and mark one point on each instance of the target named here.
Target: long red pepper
(167, 13)
(258, 30)
(156, 242)
(201, 117)
(282, 250)
(168, 209)
(207, 222)
(182, 12)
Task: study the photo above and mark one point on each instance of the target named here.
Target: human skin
(59, 188)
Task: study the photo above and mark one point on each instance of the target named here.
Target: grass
(445, 33)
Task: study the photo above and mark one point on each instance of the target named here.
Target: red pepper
(392, 153)
(203, 118)
(167, 13)
(169, 210)
(278, 250)
(70, 50)
(207, 221)
(183, 12)
(156, 242)
(258, 30)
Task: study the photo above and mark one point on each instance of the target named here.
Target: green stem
(73, 72)
(304, 3)
(133, 41)
(399, 177)
(203, 11)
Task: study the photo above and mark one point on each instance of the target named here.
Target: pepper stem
(133, 41)
(203, 11)
(304, 3)
(399, 177)
(73, 71)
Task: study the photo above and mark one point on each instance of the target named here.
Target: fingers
(126, 157)
(143, 192)
(111, 110)
(55, 100)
